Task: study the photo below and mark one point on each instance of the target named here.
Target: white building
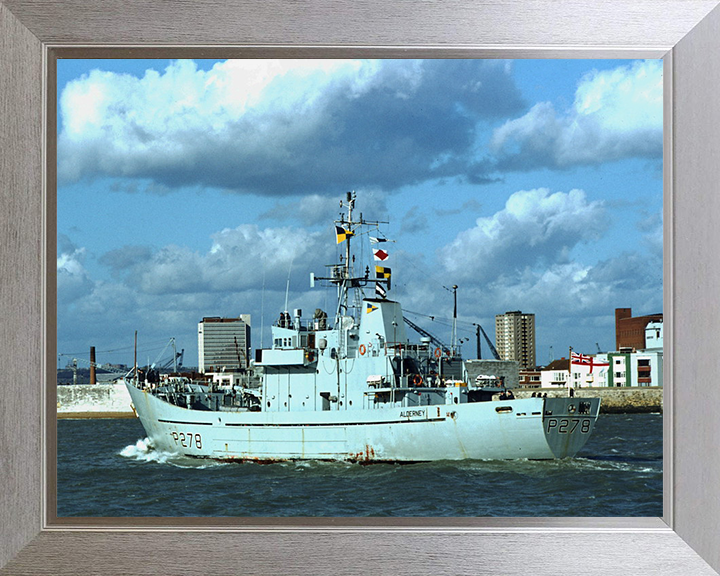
(614, 369)
(224, 344)
(654, 336)
(627, 367)
(555, 374)
(592, 372)
(643, 368)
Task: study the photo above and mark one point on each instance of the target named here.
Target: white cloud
(73, 281)
(239, 259)
(532, 255)
(536, 229)
(282, 126)
(616, 114)
(315, 209)
(165, 293)
(537, 254)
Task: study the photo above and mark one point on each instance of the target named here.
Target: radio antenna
(287, 288)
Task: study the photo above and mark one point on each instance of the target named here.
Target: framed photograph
(216, 230)
(683, 541)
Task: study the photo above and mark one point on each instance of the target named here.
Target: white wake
(144, 451)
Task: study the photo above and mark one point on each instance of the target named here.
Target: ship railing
(420, 350)
(406, 381)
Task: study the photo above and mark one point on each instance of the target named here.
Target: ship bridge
(381, 324)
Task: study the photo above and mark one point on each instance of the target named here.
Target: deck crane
(478, 330)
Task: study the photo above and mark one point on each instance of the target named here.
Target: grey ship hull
(533, 428)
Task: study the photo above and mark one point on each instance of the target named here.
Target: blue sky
(195, 188)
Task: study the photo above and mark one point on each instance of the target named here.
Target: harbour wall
(94, 401)
(613, 400)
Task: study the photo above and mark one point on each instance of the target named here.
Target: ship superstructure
(351, 386)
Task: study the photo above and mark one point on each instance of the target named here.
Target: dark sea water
(107, 468)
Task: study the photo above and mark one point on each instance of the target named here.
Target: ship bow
(568, 424)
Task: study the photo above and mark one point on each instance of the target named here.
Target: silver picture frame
(685, 33)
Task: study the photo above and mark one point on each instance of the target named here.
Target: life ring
(417, 380)
(438, 352)
(361, 349)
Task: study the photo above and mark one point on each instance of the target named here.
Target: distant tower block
(224, 343)
(515, 337)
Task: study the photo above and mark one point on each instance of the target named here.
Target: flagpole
(569, 369)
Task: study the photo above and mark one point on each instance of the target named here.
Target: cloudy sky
(198, 188)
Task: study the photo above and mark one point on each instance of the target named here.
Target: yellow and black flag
(382, 272)
(342, 234)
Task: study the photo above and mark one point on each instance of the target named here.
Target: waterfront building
(589, 371)
(631, 332)
(638, 360)
(643, 368)
(224, 344)
(654, 336)
(530, 378)
(591, 374)
(515, 337)
(626, 368)
(555, 374)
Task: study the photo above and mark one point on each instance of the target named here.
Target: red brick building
(529, 378)
(629, 331)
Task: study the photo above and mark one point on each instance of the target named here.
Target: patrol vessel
(353, 387)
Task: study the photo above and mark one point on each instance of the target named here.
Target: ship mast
(342, 274)
(350, 204)
(347, 273)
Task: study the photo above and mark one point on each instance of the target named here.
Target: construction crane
(175, 359)
(433, 338)
(478, 330)
(175, 362)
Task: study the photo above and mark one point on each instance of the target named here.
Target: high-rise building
(515, 337)
(224, 344)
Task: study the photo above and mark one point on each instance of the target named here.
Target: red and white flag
(587, 361)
